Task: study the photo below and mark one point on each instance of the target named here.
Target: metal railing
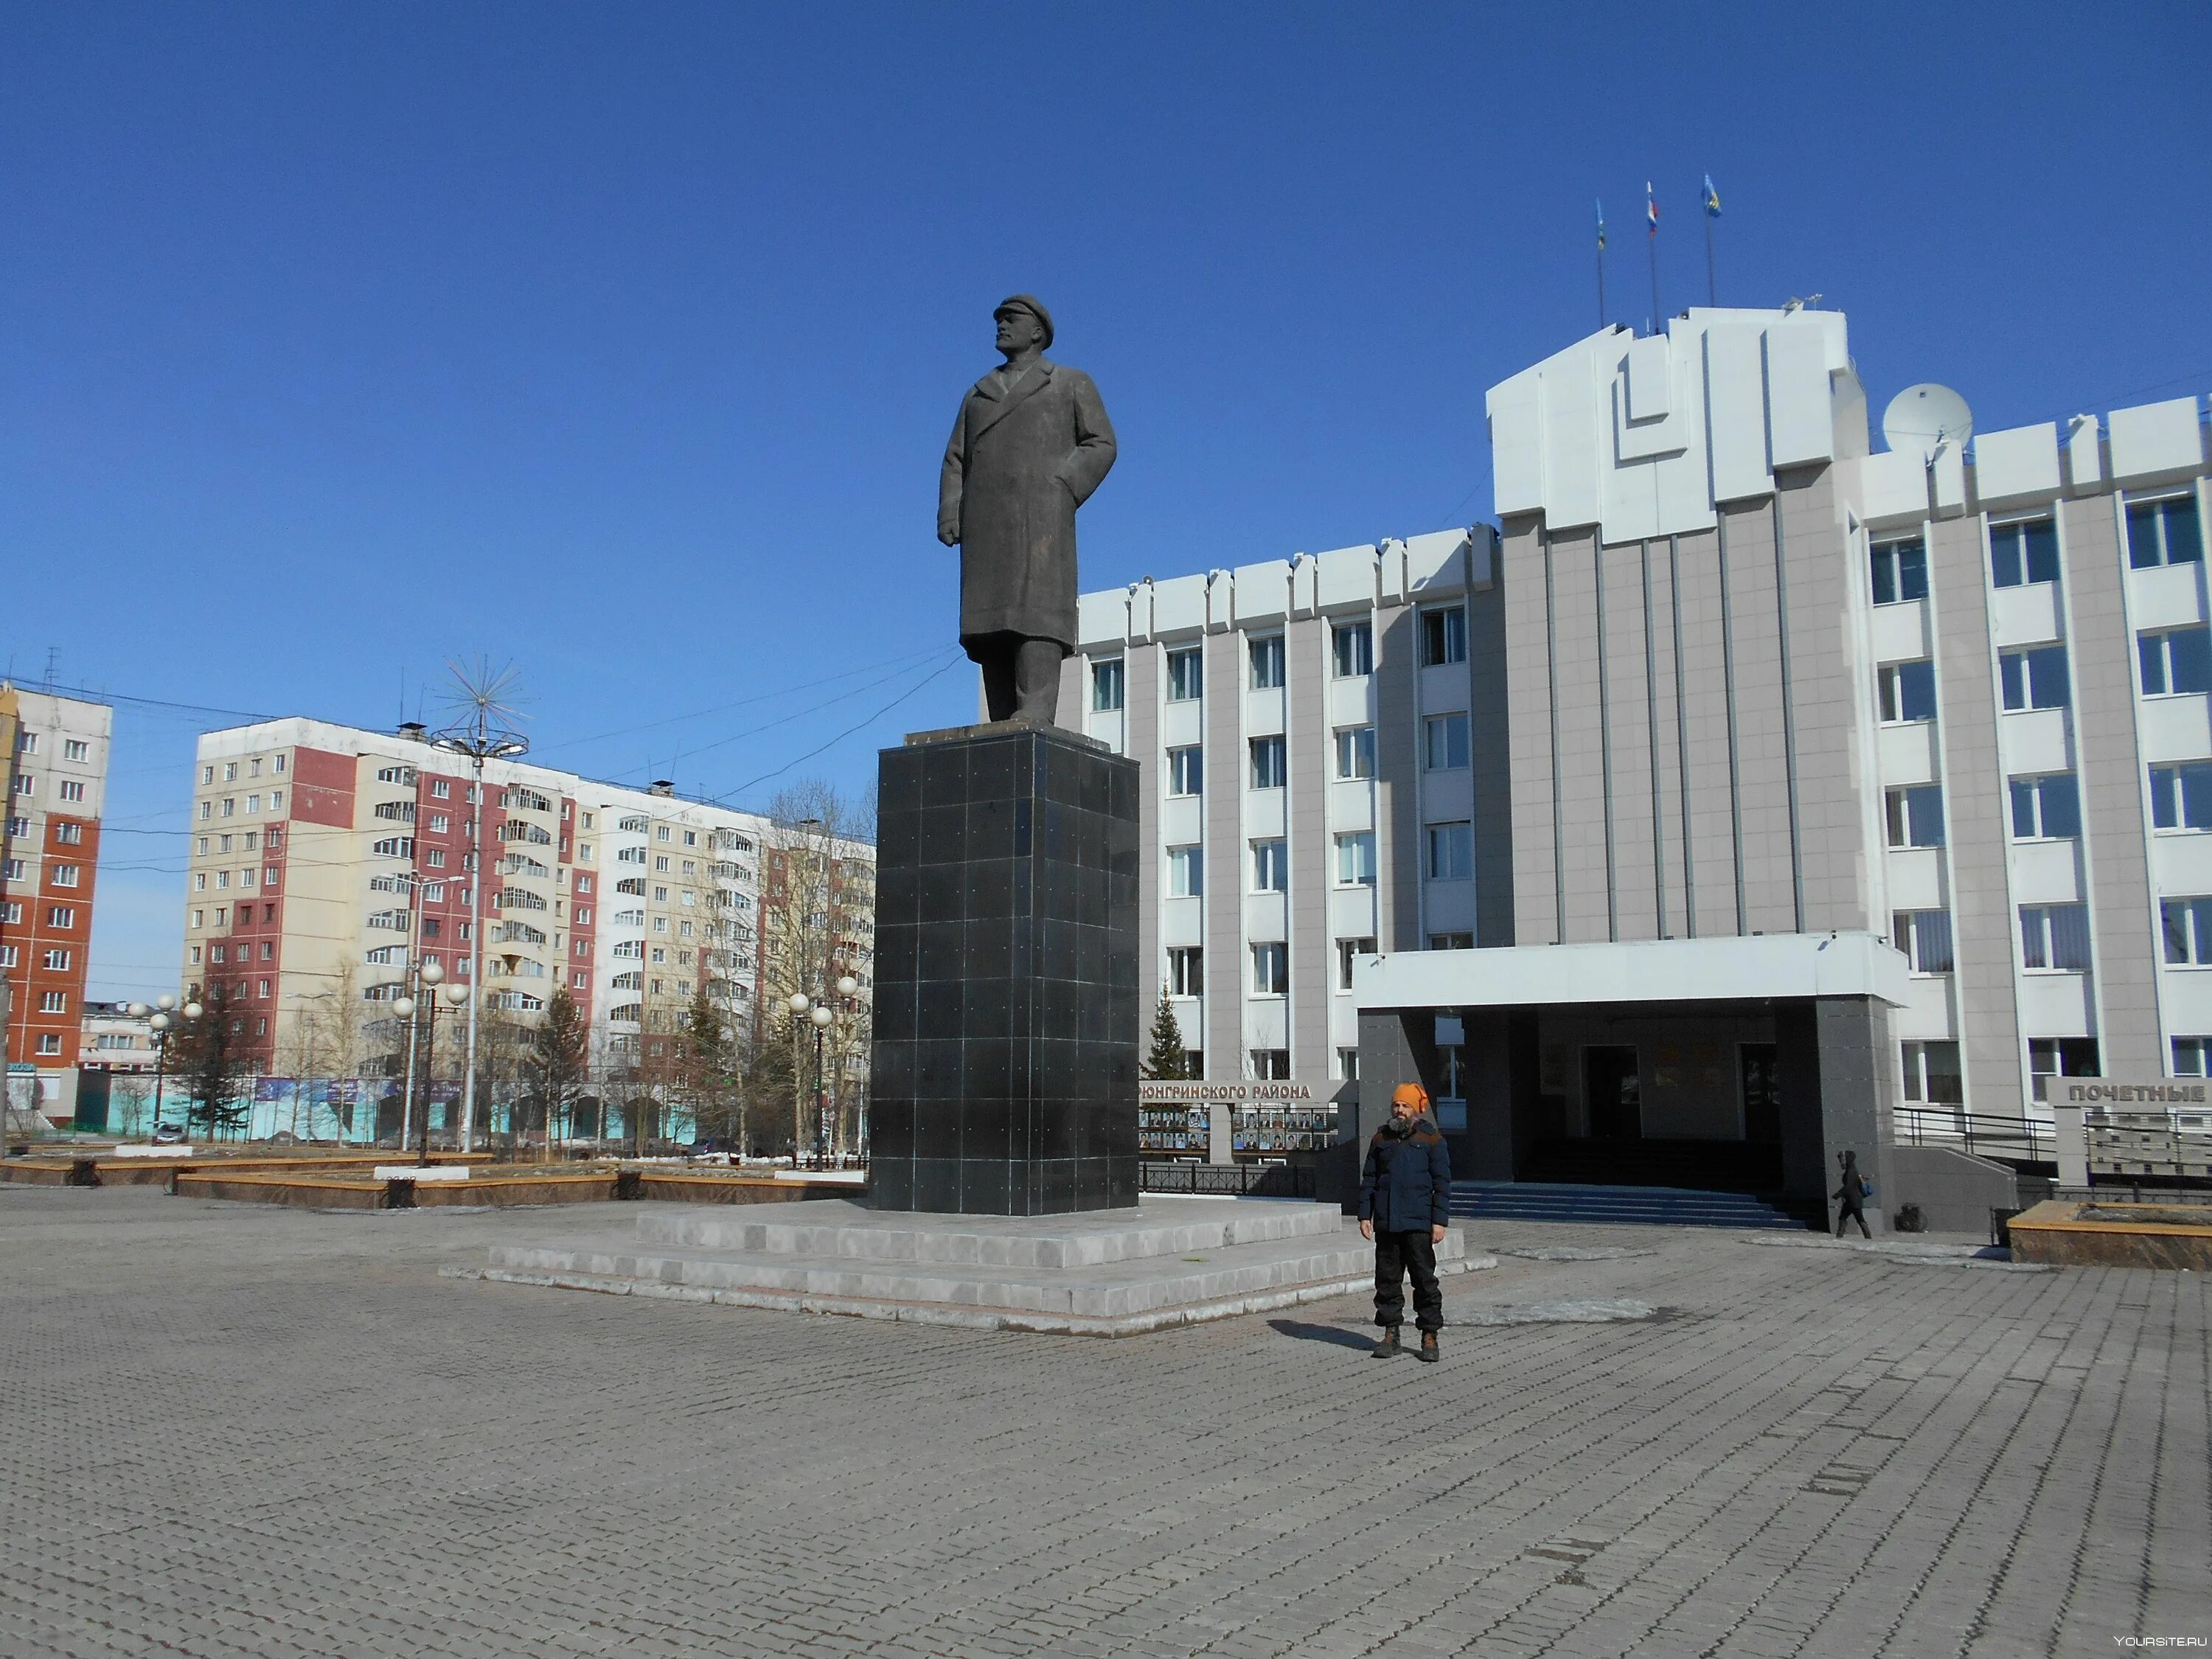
(1187, 1177)
(2021, 1138)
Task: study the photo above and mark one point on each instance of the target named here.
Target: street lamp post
(427, 975)
(162, 1025)
(481, 736)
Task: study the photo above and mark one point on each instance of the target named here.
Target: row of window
(2048, 806)
(2163, 531)
(229, 806)
(1352, 656)
(2169, 662)
(73, 749)
(66, 789)
(1445, 747)
(1271, 963)
(253, 765)
(2055, 938)
(58, 875)
(1934, 1076)
(1448, 847)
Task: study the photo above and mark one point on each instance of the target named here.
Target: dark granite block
(983, 1186)
(890, 1180)
(1006, 974)
(937, 1184)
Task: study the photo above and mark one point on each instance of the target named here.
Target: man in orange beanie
(1405, 1199)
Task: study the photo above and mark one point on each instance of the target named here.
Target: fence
(2020, 1140)
(1185, 1177)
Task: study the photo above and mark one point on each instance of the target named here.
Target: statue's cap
(1030, 303)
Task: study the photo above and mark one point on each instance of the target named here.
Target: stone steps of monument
(1649, 1207)
(1104, 1290)
(853, 1232)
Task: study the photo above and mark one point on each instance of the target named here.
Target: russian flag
(1651, 209)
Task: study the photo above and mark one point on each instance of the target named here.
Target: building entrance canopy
(1774, 965)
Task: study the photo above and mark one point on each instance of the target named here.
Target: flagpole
(1651, 239)
(1600, 268)
(1712, 207)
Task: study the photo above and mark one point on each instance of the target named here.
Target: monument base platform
(1111, 1272)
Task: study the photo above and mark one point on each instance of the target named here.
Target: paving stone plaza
(234, 1430)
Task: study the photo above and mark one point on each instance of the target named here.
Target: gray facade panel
(1627, 744)
(1585, 873)
(1706, 735)
(1824, 708)
(1491, 758)
(1141, 705)
(1973, 796)
(1222, 934)
(1762, 757)
(1397, 794)
(1523, 567)
(2109, 760)
(1312, 744)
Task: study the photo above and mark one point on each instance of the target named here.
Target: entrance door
(1615, 1093)
(1762, 1098)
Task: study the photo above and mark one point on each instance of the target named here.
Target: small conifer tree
(1168, 1060)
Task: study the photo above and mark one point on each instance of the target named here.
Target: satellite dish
(1922, 419)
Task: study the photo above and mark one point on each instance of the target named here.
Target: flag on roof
(1712, 197)
(1601, 227)
(1651, 207)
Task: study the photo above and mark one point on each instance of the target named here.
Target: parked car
(168, 1134)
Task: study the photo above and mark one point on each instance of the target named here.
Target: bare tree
(818, 926)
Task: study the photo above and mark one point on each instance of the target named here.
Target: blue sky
(621, 343)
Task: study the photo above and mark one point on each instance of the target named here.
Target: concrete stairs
(1646, 1206)
(1110, 1274)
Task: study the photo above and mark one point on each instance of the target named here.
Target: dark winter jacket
(1406, 1185)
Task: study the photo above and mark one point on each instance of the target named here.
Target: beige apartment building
(56, 750)
(321, 856)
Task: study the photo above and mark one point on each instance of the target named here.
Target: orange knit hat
(1410, 1094)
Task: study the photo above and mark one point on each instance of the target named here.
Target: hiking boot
(1387, 1348)
(1430, 1353)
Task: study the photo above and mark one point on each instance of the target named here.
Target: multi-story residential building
(1777, 783)
(56, 748)
(320, 855)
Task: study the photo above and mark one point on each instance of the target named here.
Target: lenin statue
(1031, 443)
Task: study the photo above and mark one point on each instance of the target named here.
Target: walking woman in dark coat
(1850, 1194)
(1405, 1199)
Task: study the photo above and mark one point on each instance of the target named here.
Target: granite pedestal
(1004, 1075)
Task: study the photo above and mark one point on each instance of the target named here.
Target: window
(69, 834)
(1353, 645)
(2177, 660)
(26, 784)
(1355, 859)
(1271, 1065)
(1270, 763)
(1186, 771)
(2187, 927)
(394, 846)
(1932, 1075)
(1185, 675)
(1267, 659)
(1347, 1064)
(57, 961)
(27, 743)
(1186, 970)
(1348, 952)
(277, 765)
(1271, 968)
(12, 870)
(1445, 743)
(1355, 751)
(230, 772)
(207, 809)
(1271, 865)
(440, 789)
(2190, 1054)
(50, 1042)
(7, 955)
(1916, 816)
(1451, 941)
(61, 915)
(1443, 636)
(53, 1002)
(1186, 871)
(661, 864)
(71, 789)
(1900, 572)
(1452, 851)
(207, 774)
(2055, 938)
(2021, 554)
(1908, 691)
(2034, 678)
(65, 875)
(2164, 533)
(75, 748)
(2181, 796)
(11, 912)
(2050, 1057)
(2048, 808)
(1924, 937)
